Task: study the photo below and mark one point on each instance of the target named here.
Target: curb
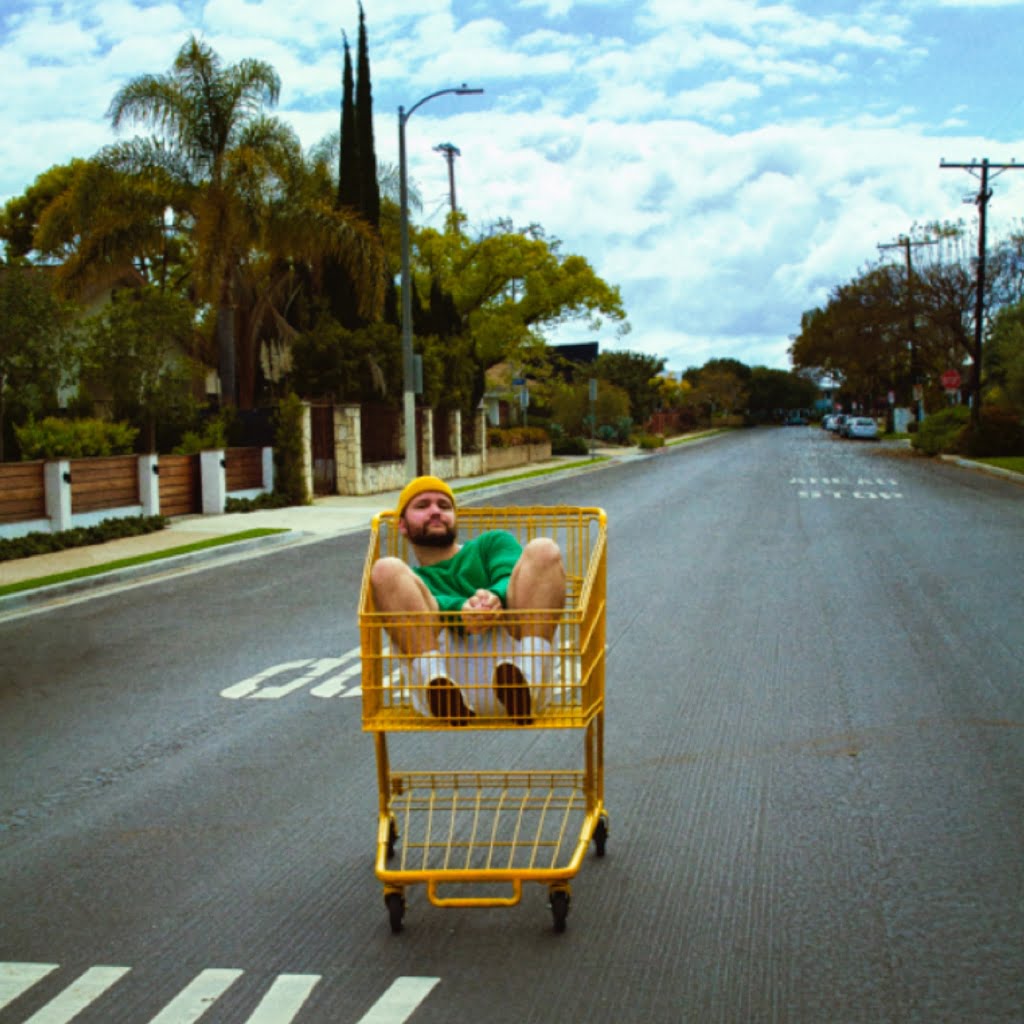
(982, 467)
(154, 567)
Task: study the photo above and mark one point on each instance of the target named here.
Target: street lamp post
(408, 363)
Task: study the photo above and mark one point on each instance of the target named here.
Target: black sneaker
(512, 690)
(445, 701)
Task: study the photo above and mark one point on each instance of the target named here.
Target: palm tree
(214, 140)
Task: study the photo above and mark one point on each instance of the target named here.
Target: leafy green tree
(638, 375)
(38, 347)
(772, 390)
(1004, 357)
(510, 287)
(135, 351)
(216, 142)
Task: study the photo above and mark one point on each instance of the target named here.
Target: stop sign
(950, 380)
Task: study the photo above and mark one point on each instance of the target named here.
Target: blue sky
(724, 162)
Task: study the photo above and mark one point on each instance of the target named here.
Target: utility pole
(981, 200)
(450, 153)
(904, 243)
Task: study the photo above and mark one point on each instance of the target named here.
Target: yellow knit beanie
(418, 486)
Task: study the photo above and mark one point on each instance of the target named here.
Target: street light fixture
(408, 363)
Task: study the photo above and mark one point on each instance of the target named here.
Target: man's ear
(402, 527)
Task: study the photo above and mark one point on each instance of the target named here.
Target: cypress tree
(369, 190)
(348, 159)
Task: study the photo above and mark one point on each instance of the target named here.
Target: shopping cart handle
(475, 901)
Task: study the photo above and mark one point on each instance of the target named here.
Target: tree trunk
(226, 353)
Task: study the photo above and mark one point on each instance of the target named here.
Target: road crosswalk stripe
(197, 997)
(397, 1004)
(284, 999)
(78, 995)
(281, 1004)
(18, 978)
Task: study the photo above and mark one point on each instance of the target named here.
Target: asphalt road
(815, 742)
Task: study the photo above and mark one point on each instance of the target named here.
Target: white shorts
(470, 660)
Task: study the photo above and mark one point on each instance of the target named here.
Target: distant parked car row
(846, 425)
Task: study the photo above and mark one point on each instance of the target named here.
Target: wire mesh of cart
(473, 838)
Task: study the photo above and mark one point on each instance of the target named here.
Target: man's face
(429, 520)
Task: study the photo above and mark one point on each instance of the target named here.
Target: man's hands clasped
(480, 612)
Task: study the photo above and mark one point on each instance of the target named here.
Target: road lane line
(77, 996)
(18, 978)
(197, 997)
(396, 1006)
(284, 999)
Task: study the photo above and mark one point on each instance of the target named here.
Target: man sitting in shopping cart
(478, 655)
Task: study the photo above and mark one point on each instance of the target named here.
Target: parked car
(828, 421)
(796, 420)
(863, 427)
(837, 422)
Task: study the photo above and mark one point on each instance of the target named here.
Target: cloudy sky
(724, 162)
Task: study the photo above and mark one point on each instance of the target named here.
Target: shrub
(650, 441)
(942, 431)
(272, 499)
(999, 432)
(54, 438)
(214, 435)
(289, 476)
(80, 536)
(511, 437)
(570, 446)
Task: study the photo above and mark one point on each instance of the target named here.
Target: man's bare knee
(543, 557)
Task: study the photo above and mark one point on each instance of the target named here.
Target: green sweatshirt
(483, 563)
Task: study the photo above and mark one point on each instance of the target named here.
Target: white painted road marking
(313, 670)
(197, 997)
(401, 999)
(281, 1004)
(284, 999)
(18, 978)
(78, 995)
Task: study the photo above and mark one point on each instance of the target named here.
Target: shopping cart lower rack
(472, 838)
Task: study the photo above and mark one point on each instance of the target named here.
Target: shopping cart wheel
(559, 899)
(392, 838)
(600, 835)
(395, 902)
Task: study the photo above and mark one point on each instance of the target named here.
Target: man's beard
(427, 538)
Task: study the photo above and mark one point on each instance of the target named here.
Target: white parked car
(862, 426)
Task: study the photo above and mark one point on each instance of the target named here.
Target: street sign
(950, 380)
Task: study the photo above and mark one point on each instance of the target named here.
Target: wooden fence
(98, 483)
(22, 491)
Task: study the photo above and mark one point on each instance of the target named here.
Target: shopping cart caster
(559, 900)
(600, 835)
(395, 902)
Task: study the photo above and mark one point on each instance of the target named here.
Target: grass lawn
(1014, 463)
(122, 563)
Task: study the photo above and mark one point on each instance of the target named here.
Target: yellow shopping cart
(474, 837)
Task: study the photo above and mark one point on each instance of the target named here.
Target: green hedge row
(110, 529)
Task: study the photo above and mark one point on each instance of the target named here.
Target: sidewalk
(328, 516)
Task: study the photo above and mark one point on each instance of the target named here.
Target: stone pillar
(307, 448)
(214, 481)
(426, 416)
(348, 449)
(481, 437)
(149, 485)
(57, 479)
(455, 438)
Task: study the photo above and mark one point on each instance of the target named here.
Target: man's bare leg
(537, 586)
(537, 583)
(397, 589)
